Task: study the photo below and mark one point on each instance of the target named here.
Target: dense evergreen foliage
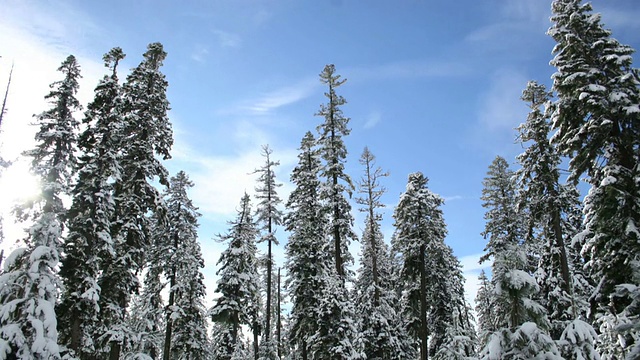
(118, 275)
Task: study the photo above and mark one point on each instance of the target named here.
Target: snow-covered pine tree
(145, 319)
(334, 152)
(91, 214)
(504, 225)
(147, 134)
(29, 286)
(305, 257)
(337, 334)
(484, 308)
(419, 225)
(238, 284)
(380, 324)
(270, 216)
(446, 300)
(597, 117)
(549, 205)
(521, 323)
(185, 333)
(522, 330)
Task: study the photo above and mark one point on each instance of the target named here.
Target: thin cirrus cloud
(271, 101)
(373, 119)
(200, 54)
(228, 39)
(500, 107)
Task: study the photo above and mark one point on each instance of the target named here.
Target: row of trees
(119, 227)
(118, 273)
(561, 267)
(401, 297)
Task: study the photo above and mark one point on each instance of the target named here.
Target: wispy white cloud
(373, 119)
(228, 39)
(452, 198)
(200, 53)
(220, 180)
(501, 108)
(270, 101)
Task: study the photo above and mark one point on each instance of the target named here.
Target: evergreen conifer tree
(238, 284)
(91, 214)
(420, 228)
(147, 134)
(305, 257)
(484, 307)
(504, 225)
(269, 216)
(597, 118)
(334, 152)
(29, 286)
(184, 316)
(380, 324)
(549, 205)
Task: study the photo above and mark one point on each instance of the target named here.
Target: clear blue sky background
(433, 86)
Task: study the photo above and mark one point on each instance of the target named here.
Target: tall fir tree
(184, 315)
(30, 285)
(147, 134)
(334, 152)
(504, 225)
(270, 216)
(597, 118)
(238, 284)
(380, 325)
(485, 308)
(521, 323)
(91, 213)
(305, 257)
(420, 228)
(549, 205)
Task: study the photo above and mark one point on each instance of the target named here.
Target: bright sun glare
(17, 184)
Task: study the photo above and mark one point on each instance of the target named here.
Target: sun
(17, 185)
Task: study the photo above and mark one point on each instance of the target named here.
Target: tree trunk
(166, 355)
(279, 321)
(424, 332)
(255, 339)
(304, 350)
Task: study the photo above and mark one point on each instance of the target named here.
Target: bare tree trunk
(6, 94)
(424, 331)
(279, 321)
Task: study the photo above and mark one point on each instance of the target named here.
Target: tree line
(117, 274)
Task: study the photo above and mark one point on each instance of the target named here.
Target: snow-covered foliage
(147, 133)
(238, 284)
(598, 127)
(578, 340)
(185, 333)
(380, 325)
(30, 285)
(305, 250)
(431, 279)
(337, 183)
(269, 215)
(92, 213)
(504, 225)
(549, 206)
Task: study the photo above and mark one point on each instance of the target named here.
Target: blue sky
(433, 86)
